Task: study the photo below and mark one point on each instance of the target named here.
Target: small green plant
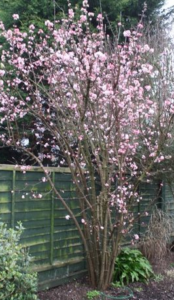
(16, 281)
(116, 284)
(130, 266)
(92, 294)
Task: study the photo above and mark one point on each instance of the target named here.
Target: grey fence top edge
(4, 167)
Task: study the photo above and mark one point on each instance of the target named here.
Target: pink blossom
(167, 102)
(20, 62)
(147, 68)
(31, 27)
(83, 18)
(99, 17)
(140, 25)
(100, 55)
(71, 13)
(9, 34)
(40, 31)
(2, 26)
(146, 48)
(136, 236)
(85, 3)
(91, 14)
(49, 24)
(127, 33)
(46, 145)
(15, 16)
(67, 217)
(148, 88)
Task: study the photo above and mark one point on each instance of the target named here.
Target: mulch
(162, 288)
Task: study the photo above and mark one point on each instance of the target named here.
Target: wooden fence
(53, 241)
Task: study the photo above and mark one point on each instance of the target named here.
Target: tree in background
(35, 11)
(31, 11)
(108, 108)
(128, 12)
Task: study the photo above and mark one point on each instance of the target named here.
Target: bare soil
(162, 288)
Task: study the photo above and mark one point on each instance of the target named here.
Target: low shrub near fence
(17, 281)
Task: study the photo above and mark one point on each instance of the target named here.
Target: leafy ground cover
(160, 288)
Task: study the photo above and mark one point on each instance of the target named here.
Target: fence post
(52, 223)
(13, 200)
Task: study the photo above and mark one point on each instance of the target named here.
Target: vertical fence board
(13, 200)
(52, 223)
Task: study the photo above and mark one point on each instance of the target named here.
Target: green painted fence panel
(168, 200)
(150, 193)
(53, 241)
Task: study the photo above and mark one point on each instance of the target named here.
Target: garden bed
(162, 288)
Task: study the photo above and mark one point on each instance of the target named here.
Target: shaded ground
(162, 288)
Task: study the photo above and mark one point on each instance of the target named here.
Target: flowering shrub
(16, 281)
(105, 108)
